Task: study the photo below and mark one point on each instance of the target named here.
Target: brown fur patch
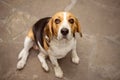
(76, 25)
(45, 44)
(30, 34)
(55, 26)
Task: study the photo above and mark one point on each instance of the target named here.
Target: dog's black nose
(64, 31)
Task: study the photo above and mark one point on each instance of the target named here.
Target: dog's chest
(61, 48)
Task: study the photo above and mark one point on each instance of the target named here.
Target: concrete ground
(99, 49)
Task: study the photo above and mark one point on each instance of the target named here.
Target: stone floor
(99, 49)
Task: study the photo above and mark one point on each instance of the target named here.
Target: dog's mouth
(64, 37)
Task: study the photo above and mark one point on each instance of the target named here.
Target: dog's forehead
(63, 14)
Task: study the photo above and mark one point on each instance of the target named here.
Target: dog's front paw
(58, 72)
(20, 64)
(75, 60)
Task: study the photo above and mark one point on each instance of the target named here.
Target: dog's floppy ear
(78, 27)
(49, 29)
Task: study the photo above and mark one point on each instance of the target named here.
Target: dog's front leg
(75, 58)
(57, 69)
(42, 59)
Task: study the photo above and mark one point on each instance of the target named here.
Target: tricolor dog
(55, 37)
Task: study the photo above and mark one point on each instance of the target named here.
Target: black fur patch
(38, 30)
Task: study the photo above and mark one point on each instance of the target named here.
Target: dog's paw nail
(75, 60)
(20, 64)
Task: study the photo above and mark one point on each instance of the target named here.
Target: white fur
(41, 57)
(75, 58)
(28, 43)
(41, 48)
(58, 72)
(60, 48)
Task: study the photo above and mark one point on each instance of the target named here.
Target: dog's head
(63, 25)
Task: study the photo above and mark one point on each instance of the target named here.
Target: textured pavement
(99, 49)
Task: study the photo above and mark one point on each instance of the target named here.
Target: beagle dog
(55, 37)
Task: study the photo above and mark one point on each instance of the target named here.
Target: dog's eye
(71, 21)
(57, 21)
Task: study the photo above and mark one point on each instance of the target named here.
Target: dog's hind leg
(28, 43)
